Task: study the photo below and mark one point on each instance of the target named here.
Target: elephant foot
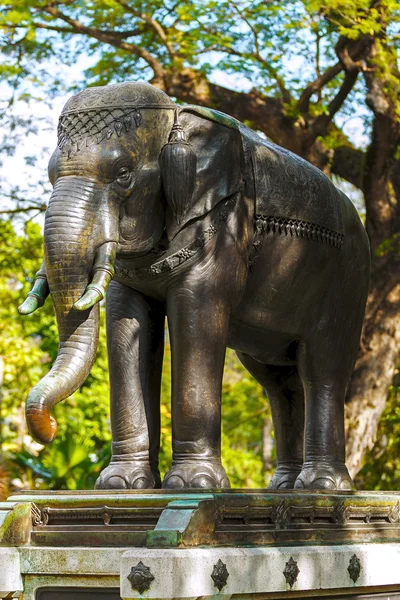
(284, 477)
(196, 474)
(132, 475)
(323, 476)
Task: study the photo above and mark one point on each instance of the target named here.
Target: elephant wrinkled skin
(186, 214)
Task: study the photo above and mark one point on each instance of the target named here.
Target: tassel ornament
(178, 167)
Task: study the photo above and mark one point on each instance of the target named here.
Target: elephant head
(123, 174)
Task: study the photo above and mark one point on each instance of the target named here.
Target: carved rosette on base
(140, 577)
(220, 575)
(291, 571)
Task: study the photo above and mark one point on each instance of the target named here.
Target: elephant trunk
(71, 239)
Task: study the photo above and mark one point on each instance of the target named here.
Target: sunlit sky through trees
(27, 166)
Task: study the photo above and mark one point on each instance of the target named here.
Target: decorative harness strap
(169, 263)
(297, 228)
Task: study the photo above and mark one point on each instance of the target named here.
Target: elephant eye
(123, 174)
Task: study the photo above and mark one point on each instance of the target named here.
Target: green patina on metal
(15, 523)
(98, 497)
(182, 520)
(212, 115)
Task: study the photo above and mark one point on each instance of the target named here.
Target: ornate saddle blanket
(288, 190)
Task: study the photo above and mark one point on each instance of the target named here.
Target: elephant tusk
(103, 272)
(38, 294)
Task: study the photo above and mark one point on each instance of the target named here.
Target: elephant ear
(201, 165)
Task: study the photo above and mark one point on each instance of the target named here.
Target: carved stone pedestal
(238, 544)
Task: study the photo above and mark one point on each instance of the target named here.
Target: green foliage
(244, 407)
(23, 359)
(28, 345)
(381, 470)
(391, 245)
(274, 49)
(278, 47)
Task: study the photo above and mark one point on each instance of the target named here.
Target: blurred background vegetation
(83, 444)
(319, 78)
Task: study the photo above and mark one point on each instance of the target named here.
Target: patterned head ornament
(99, 113)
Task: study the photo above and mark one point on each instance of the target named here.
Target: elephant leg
(135, 341)
(283, 387)
(325, 377)
(198, 328)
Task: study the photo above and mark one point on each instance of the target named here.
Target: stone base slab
(11, 585)
(187, 574)
(205, 573)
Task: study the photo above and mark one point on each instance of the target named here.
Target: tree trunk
(371, 380)
(267, 446)
(377, 363)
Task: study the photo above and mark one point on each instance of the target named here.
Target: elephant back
(290, 188)
(286, 187)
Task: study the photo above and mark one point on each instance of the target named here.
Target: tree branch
(113, 40)
(320, 125)
(383, 211)
(348, 51)
(59, 29)
(265, 64)
(24, 209)
(257, 56)
(348, 164)
(155, 25)
(263, 113)
(317, 85)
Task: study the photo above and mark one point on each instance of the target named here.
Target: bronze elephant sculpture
(189, 215)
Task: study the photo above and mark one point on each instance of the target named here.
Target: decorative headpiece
(100, 112)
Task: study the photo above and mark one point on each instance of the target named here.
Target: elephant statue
(184, 213)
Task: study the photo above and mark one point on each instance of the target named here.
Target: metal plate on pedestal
(381, 596)
(77, 594)
(167, 518)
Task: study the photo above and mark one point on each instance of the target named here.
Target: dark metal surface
(389, 595)
(354, 568)
(291, 571)
(77, 594)
(191, 216)
(220, 575)
(140, 577)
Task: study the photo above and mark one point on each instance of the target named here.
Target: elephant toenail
(345, 485)
(286, 484)
(323, 483)
(203, 481)
(174, 482)
(225, 483)
(141, 483)
(117, 483)
(299, 485)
